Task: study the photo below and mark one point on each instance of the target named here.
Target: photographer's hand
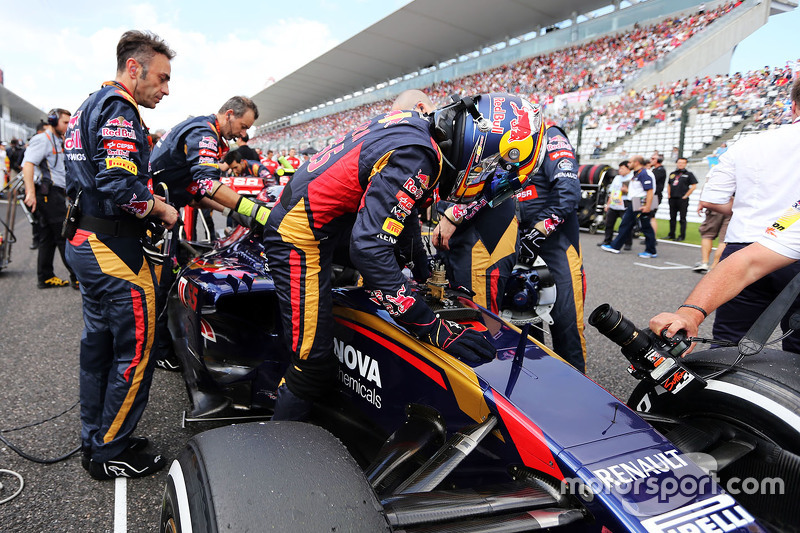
(683, 319)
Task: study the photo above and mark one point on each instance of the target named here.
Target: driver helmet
(491, 143)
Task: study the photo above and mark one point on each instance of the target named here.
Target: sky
(56, 53)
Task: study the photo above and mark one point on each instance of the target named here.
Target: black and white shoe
(127, 464)
(134, 444)
(170, 363)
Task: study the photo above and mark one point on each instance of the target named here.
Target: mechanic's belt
(115, 227)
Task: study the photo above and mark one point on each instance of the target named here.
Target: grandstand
(18, 117)
(616, 76)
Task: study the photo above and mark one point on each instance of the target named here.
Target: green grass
(692, 232)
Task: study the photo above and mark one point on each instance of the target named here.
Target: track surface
(39, 338)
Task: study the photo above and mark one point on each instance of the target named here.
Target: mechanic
(244, 148)
(106, 158)
(481, 251)
(187, 160)
(680, 186)
(549, 221)
(760, 170)
(242, 166)
(48, 199)
(360, 190)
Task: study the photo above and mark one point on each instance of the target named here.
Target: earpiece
(52, 117)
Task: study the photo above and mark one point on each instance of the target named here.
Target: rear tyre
(286, 476)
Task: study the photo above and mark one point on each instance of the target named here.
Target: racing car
(412, 439)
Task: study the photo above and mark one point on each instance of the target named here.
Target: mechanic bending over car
(548, 218)
(249, 167)
(762, 169)
(360, 190)
(107, 150)
(187, 160)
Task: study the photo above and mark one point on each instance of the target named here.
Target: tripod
(7, 237)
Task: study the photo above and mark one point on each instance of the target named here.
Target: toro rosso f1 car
(413, 439)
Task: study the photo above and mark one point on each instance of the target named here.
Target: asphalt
(39, 340)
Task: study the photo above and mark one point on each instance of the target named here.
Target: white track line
(120, 505)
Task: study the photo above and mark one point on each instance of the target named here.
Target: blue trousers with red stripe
(119, 311)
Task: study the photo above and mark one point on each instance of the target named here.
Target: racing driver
(359, 190)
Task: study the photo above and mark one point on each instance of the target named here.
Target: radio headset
(52, 117)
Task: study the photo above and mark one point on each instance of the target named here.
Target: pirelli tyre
(282, 476)
(760, 398)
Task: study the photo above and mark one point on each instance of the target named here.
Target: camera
(653, 357)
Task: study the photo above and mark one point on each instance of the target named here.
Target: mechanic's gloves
(533, 239)
(414, 315)
(258, 212)
(459, 341)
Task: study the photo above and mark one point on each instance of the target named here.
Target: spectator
(714, 226)
(48, 199)
(615, 203)
(680, 186)
(660, 174)
(640, 192)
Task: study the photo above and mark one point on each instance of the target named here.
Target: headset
(52, 117)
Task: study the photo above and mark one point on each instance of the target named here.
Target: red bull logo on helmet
(498, 114)
(521, 126)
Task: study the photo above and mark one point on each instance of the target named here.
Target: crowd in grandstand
(604, 62)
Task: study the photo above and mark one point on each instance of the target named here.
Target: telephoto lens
(622, 331)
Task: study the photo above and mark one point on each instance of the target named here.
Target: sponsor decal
(399, 213)
(396, 305)
(240, 181)
(560, 154)
(551, 223)
(208, 142)
(207, 331)
(208, 161)
(118, 122)
(498, 114)
(119, 132)
(395, 117)
(555, 146)
(521, 126)
(392, 227)
(124, 164)
(565, 164)
(719, 513)
(528, 194)
(405, 202)
(640, 468)
(73, 121)
(411, 186)
(208, 153)
(136, 207)
(116, 144)
(124, 154)
(204, 186)
(387, 238)
(424, 179)
(351, 360)
(73, 141)
(788, 218)
(356, 360)
(76, 157)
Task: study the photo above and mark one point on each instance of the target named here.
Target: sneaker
(627, 247)
(130, 464)
(74, 283)
(601, 243)
(609, 248)
(670, 237)
(134, 444)
(701, 267)
(680, 239)
(647, 255)
(53, 282)
(170, 363)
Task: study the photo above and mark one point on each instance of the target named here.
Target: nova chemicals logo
(352, 361)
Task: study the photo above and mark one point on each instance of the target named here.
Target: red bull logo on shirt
(119, 122)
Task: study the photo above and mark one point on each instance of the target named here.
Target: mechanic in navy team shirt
(186, 159)
(248, 167)
(359, 190)
(106, 152)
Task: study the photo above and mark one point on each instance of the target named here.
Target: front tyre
(283, 476)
